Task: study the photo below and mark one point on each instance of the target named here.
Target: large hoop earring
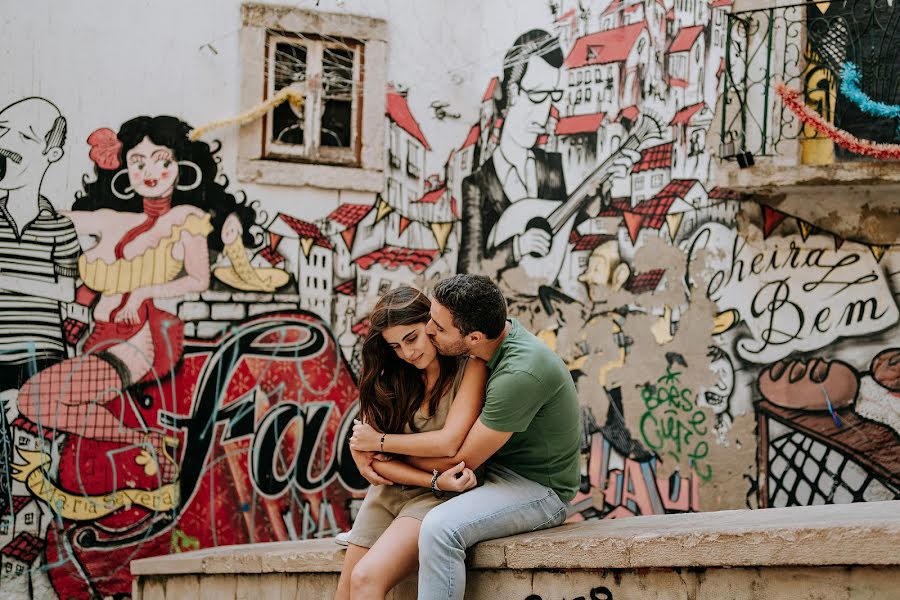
(128, 194)
(197, 181)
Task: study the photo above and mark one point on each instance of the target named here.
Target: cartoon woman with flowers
(156, 212)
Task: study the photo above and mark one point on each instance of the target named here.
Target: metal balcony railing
(807, 46)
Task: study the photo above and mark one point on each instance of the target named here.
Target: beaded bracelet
(438, 493)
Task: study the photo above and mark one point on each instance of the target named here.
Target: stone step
(843, 551)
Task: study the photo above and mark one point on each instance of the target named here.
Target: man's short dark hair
(536, 42)
(475, 302)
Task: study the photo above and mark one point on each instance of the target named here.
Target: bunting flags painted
(404, 223)
(349, 235)
(384, 209)
(877, 251)
(306, 244)
(771, 219)
(633, 222)
(674, 222)
(441, 233)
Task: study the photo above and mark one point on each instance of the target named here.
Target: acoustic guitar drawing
(557, 217)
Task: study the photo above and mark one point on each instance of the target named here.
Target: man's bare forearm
(481, 443)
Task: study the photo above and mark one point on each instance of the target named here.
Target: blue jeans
(506, 504)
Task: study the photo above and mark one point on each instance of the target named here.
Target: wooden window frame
(311, 150)
(259, 161)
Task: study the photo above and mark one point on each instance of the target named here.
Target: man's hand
(534, 241)
(620, 168)
(457, 479)
(363, 462)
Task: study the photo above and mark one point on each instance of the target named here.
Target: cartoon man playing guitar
(517, 210)
(516, 170)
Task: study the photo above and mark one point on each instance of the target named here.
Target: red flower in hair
(105, 148)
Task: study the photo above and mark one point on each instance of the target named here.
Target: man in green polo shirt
(528, 434)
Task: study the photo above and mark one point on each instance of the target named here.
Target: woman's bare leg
(394, 556)
(136, 353)
(354, 555)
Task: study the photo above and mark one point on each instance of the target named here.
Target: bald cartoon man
(38, 248)
(39, 252)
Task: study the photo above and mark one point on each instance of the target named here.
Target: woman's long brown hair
(391, 389)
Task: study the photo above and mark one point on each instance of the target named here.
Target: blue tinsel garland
(850, 89)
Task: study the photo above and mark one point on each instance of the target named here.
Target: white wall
(103, 63)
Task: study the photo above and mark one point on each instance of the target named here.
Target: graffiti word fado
(268, 477)
(266, 435)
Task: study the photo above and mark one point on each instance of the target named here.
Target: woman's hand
(129, 313)
(363, 462)
(449, 482)
(365, 438)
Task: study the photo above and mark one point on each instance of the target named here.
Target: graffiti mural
(188, 375)
(591, 176)
(828, 433)
(37, 243)
(260, 415)
(807, 293)
(138, 438)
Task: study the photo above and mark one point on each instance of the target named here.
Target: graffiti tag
(674, 424)
(629, 487)
(597, 593)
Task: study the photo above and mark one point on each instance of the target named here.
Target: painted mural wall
(179, 349)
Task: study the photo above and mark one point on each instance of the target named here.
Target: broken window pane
(337, 66)
(337, 97)
(336, 123)
(290, 67)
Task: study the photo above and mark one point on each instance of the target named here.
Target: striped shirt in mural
(31, 326)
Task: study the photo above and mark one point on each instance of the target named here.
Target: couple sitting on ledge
(470, 430)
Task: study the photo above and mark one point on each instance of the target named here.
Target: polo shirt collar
(43, 205)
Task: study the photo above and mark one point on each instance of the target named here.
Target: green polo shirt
(530, 392)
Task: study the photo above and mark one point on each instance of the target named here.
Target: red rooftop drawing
(391, 257)
(399, 113)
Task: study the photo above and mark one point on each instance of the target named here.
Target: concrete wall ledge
(835, 535)
(770, 175)
(854, 200)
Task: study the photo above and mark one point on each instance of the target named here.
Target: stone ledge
(768, 176)
(854, 200)
(835, 535)
(274, 172)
